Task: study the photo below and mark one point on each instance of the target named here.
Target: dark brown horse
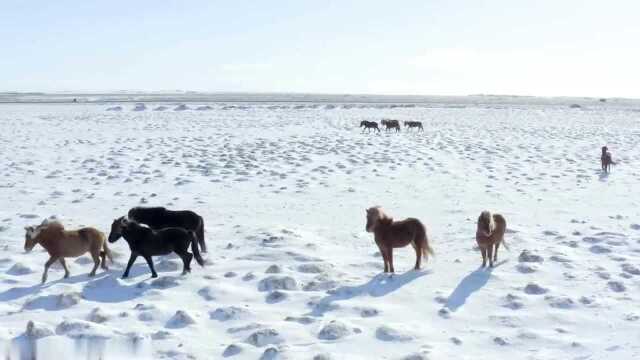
(391, 124)
(605, 160)
(389, 234)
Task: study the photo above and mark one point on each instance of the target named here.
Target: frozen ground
(290, 272)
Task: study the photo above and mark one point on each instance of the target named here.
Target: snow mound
(387, 333)
(20, 269)
(180, 319)
(333, 331)
(140, 107)
(228, 313)
(274, 282)
(264, 337)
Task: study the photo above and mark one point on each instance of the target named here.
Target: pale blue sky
(570, 47)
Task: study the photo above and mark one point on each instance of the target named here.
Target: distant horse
(146, 242)
(159, 218)
(61, 243)
(369, 125)
(489, 234)
(391, 124)
(605, 160)
(389, 234)
(414, 124)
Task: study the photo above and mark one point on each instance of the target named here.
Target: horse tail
(106, 250)
(200, 234)
(426, 249)
(194, 248)
(501, 225)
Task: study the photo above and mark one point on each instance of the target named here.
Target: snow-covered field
(291, 272)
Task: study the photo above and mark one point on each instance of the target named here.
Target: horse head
(117, 227)
(31, 236)
(375, 216)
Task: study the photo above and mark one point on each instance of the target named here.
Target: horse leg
(96, 262)
(484, 256)
(49, 262)
(418, 250)
(64, 266)
(186, 257)
(390, 258)
(495, 252)
(103, 260)
(154, 274)
(384, 258)
(132, 259)
(490, 254)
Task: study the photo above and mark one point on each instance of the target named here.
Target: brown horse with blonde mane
(389, 234)
(489, 234)
(61, 243)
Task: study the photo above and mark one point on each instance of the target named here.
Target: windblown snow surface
(291, 272)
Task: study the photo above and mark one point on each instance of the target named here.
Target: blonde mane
(487, 218)
(379, 215)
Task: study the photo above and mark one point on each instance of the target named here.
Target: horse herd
(154, 231)
(390, 124)
(149, 231)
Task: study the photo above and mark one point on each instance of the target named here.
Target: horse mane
(382, 217)
(486, 219)
(50, 225)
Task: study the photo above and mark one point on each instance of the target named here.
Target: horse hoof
(154, 275)
(125, 276)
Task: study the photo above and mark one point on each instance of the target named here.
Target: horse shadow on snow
(471, 283)
(105, 287)
(380, 285)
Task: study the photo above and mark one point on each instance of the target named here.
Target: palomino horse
(146, 242)
(489, 235)
(414, 124)
(61, 243)
(159, 218)
(605, 159)
(389, 234)
(369, 125)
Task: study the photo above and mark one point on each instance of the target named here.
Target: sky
(422, 47)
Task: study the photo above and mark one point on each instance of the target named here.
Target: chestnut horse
(389, 234)
(489, 234)
(61, 243)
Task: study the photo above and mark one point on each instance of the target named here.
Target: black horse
(159, 218)
(414, 124)
(146, 242)
(369, 125)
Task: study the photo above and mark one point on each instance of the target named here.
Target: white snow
(291, 272)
